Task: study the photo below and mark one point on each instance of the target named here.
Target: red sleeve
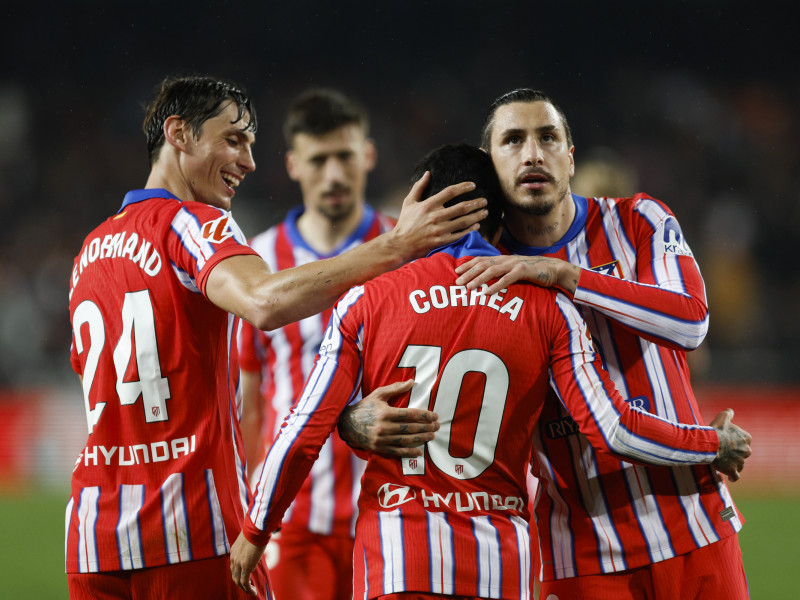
(607, 421)
(662, 295)
(329, 388)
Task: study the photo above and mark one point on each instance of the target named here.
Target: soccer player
(156, 294)
(611, 529)
(329, 155)
(454, 521)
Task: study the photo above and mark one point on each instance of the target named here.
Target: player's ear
(571, 161)
(176, 132)
(291, 165)
(370, 154)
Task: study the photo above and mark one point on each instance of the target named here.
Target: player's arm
(331, 385)
(613, 425)
(666, 304)
(244, 285)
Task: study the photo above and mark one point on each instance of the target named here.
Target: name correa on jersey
(438, 296)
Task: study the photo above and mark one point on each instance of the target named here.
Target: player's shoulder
(633, 206)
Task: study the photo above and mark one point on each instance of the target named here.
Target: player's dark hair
(194, 99)
(321, 110)
(525, 95)
(455, 163)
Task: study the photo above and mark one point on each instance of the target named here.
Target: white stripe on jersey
(522, 530)
(67, 520)
(644, 504)
(87, 519)
(173, 516)
(619, 244)
(441, 553)
(561, 538)
(392, 551)
(322, 497)
(663, 404)
(490, 570)
(357, 466)
(701, 528)
(221, 545)
(185, 279)
(129, 539)
(609, 546)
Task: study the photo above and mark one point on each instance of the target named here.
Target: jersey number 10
(426, 360)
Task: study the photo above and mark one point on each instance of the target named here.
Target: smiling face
(532, 157)
(216, 161)
(331, 169)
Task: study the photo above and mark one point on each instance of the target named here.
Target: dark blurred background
(694, 103)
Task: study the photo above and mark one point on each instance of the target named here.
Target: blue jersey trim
(357, 235)
(135, 196)
(471, 244)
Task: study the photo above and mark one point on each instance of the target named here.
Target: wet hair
(194, 99)
(455, 163)
(319, 111)
(525, 95)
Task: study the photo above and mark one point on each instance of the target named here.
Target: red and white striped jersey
(455, 520)
(161, 479)
(643, 298)
(326, 503)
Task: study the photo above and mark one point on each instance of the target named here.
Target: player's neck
(324, 234)
(162, 176)
(541, 231)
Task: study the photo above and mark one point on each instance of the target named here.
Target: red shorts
(307, 566)
(423, 596)
(206, 578)
(714, 572)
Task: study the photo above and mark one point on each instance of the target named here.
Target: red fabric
(714, 572)
(208, 578)
(307, 566)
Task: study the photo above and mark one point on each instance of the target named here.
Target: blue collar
(297, 239)
(135, 196)
(471, 244)
(578, 223)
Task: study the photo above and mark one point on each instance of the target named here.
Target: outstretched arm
(245, 286)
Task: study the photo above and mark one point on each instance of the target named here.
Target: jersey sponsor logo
(640, 402)
(137, 454)
(566, 426)
(392, 494)
(217, 231)
(674, 241)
